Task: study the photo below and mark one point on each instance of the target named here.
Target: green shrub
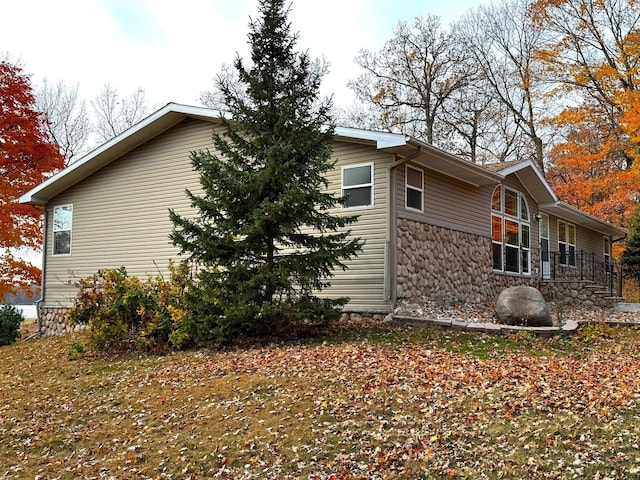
(594, 330)
(125, 312)
(10, 320)
(76, 350)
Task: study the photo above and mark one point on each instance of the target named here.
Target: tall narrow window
(357, 186)
(571, 235)
(414, 188)
(62, 221)
(562, 241)
(567, 243)
(497, 238)
(544, 247)
(607, 251)
(510, 231)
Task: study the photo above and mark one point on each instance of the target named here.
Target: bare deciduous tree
(114, 114)
(67, 119)
(505, 45)
(412, 76)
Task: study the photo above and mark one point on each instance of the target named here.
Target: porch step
(627, 307)
(593, 289)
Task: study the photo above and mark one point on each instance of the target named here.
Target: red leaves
(26, 159)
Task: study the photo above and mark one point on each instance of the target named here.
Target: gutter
(43, 210)
(623, 237)
(391, 237)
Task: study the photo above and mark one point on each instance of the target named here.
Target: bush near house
(125, 312)
(10, 320)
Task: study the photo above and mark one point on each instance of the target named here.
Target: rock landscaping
(480, 317)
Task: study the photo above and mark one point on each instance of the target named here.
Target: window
(510, 231)
(567, 243)
(62, 219)
(607, 251)
(357, 186)
(496, 227)
(414, 188)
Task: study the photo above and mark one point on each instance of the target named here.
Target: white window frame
(55, 230)
(521, 218)
(344, 189)
(606, 250)
(411, 187)
(569, 259)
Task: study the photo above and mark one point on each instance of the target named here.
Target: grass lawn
(367, 402)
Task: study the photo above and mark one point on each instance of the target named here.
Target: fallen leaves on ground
(375, 407)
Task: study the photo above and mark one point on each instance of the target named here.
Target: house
(435, 226)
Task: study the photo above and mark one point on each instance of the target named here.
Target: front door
(544, 247)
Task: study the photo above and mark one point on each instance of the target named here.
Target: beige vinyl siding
(449, 203)
(364, 281)
(586, 239)
(120, 217)
(590, 241)
(120, 214)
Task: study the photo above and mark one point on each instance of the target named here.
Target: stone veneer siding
(576, 293)
(55, 321)
(448, 266)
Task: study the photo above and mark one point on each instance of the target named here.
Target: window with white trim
(567, 243)
(510, 231)
(414, 188)
(62, 225)
(357, 186)
(607, 250)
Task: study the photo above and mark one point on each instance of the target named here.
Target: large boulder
(523, 305)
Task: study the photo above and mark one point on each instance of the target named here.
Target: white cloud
(174, 49)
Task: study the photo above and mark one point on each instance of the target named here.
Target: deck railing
(586, 266)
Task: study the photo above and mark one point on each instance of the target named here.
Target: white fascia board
(185, 110)
(531, 164)
(574, 215)
(382, 139)
(81, 166)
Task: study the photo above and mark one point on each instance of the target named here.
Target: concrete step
(627, 307)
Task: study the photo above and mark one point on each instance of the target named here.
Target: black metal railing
(585, 266)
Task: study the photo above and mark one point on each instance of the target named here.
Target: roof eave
(382, 140)
(131, 138)
(536, 184)
(455, 167)
(567, 212)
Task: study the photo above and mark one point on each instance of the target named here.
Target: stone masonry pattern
(447, 266)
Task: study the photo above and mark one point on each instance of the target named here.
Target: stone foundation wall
(575, 293)
(54, 321)
(448, 266)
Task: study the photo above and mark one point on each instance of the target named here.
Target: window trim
(569, 260)
(411, 187)
(54, 230)
(606, 250)
(370, 184)
(523, 252)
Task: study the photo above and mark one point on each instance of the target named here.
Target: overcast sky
(173, 49)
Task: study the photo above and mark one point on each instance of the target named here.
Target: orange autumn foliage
(26, 159)
(593, 54)
(595, 168)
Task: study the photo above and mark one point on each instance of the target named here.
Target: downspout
(42, 209)
(392, 236)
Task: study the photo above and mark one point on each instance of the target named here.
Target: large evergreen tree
(265, 238)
